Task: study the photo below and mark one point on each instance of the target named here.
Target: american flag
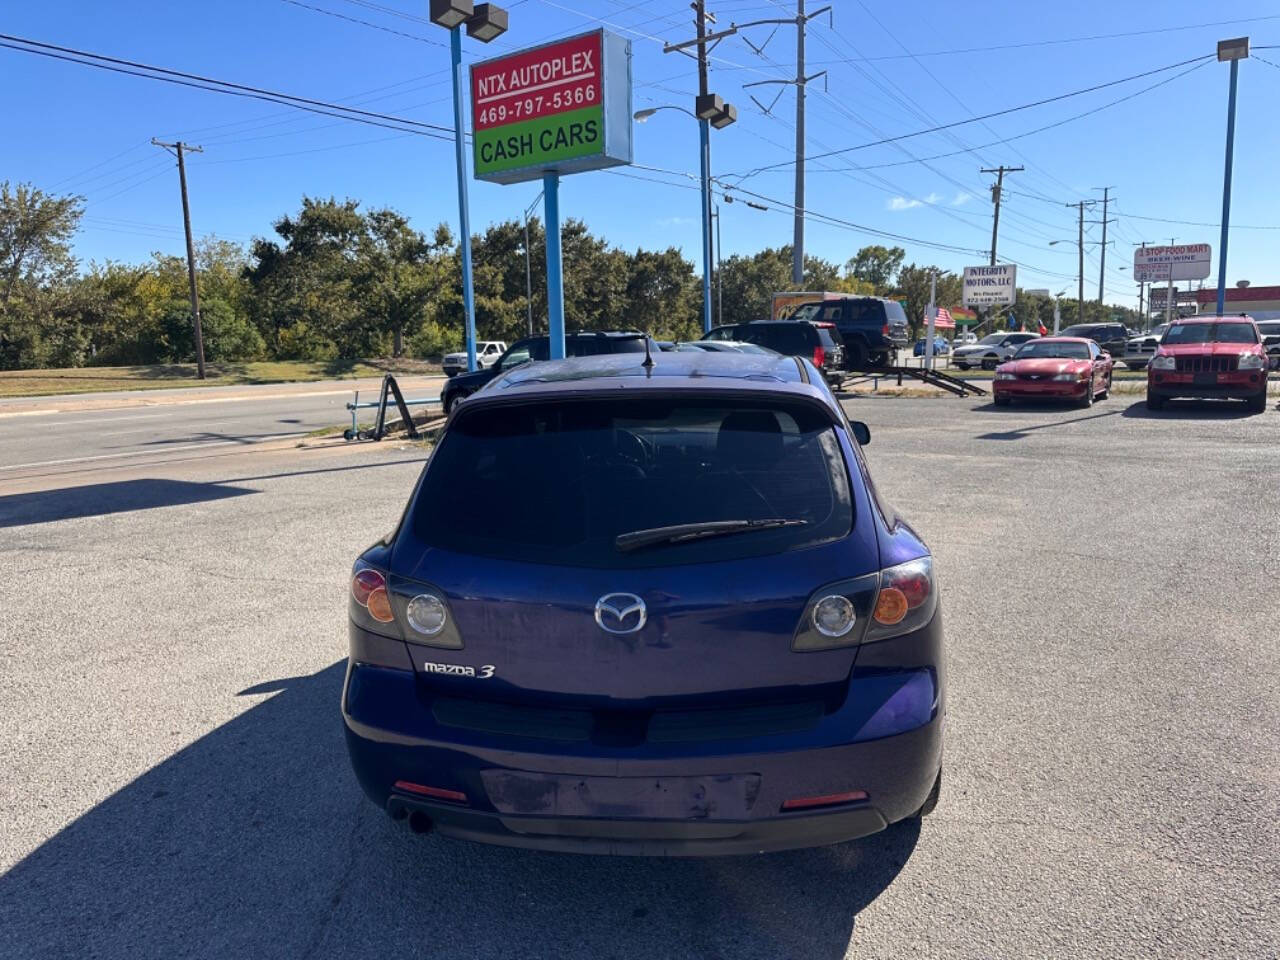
(943, 319)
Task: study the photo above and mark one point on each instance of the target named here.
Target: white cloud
(904, 203)
(961, 199)
(676, 221)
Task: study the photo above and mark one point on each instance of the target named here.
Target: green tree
(877, 265)
(37, 320)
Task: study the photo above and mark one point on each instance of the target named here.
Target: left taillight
(819, 356)
(895, 601)
(369, 591)
(397, 606)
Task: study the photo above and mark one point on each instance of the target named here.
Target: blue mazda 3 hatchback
(648, 607)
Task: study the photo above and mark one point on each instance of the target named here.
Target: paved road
(56, 433)
(175, 782)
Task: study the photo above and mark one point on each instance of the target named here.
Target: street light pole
(484, 24)
(1235, 51)
(464, 207)
(711, 112)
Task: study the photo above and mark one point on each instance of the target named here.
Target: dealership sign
(1189, 261)
(563, 107)
(990, 286)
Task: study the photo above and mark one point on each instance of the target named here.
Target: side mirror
(861, 432)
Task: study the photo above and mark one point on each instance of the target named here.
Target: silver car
(991, 351)
(1139, 350)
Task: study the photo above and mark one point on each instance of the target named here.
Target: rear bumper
(657, 799)
(1237, 385)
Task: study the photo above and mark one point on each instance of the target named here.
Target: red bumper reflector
(826, 800)
(438, 793)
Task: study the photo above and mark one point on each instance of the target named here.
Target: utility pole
(801, 22)
(179, 147)
(710, 110)
(719, 275)
(996, 191)
(797, 240)
(1102, 270)
(1168, 294)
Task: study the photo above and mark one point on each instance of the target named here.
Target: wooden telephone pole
(178, 149)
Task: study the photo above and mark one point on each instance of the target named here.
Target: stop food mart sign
(563, 107)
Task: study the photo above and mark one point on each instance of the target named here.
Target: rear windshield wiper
(684, 532)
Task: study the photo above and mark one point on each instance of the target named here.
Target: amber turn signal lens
(379, 605)
(891, 606)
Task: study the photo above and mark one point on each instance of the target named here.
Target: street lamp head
(726, 116)
(450, 13)
(1054, 243)
(1237, 49)
(708, 106)
(640, 116)
(487, 23)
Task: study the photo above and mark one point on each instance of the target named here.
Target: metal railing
(390, 391)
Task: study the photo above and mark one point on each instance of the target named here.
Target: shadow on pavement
(1020, 433)
(1192, 410)
(98, 499)
(255, 841)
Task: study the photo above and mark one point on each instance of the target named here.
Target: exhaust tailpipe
(419, 822)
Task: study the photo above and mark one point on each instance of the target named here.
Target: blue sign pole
(704, 135)
(1226, 190)
(555, 275)
(464, 213)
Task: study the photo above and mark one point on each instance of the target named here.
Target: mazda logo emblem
(620, 613)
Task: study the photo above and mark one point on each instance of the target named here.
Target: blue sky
(892, 69)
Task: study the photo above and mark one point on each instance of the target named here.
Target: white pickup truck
(487, 354)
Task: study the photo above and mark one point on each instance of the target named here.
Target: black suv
(872, 328)
(1111, 337)
(818, 343)
(539, 348)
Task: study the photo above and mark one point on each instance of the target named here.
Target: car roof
(1228, 318)
(703, 372)
(1064, 339)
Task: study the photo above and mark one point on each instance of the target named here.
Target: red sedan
(1067, 368)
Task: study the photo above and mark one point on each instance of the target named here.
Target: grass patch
(36, 383)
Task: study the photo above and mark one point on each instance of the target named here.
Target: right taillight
(906, 601)
(819, 356)
(897, 600)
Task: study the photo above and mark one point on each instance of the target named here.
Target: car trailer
(955, 385)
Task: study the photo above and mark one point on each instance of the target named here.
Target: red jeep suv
(1209, 357)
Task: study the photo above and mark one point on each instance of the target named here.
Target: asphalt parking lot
(176, 784)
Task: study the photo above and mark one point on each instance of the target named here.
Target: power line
(1062, 40)
(1201, 62)
(367, 23)
(998, 113)
(146, 71)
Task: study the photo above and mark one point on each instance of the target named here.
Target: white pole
(933, 313)
(1057, 316)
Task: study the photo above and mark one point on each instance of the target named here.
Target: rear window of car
(1088, 331)
(1229, 332)
(894, 312)
(558, 482)
(792, 338)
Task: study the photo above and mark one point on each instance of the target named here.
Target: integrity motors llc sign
(990, 286)
(563, 107)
